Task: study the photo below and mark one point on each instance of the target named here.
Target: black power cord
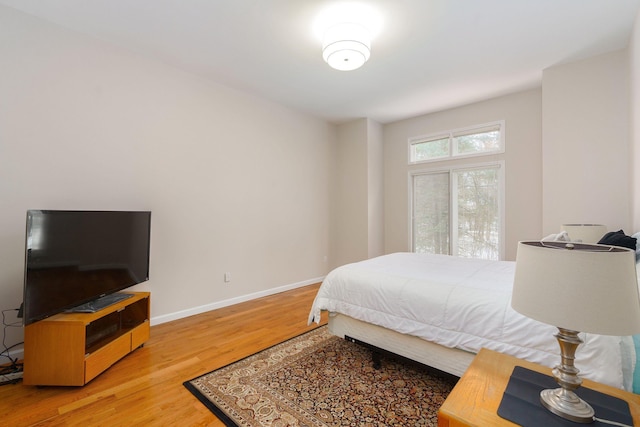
(13, 366)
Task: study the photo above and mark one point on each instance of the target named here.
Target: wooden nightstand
(474, 401)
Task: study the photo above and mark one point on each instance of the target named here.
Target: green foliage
(478, 142)
(478, 221)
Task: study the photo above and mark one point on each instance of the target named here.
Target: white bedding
(465, 304)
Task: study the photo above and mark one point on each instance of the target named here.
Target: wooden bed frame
(450, 360)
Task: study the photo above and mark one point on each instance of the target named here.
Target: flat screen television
(74, 258)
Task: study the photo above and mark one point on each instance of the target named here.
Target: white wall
(350, 199)
(236, 184)
(357, 231)
(522, 115)
(634, 73)
(375, 178)
(586, 151)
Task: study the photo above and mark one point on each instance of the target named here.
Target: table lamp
(585, 233)
(577, 288)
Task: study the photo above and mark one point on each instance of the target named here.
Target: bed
(440, 310)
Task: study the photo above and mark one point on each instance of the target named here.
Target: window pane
(478, 213)
(479, 142)
(427, 150)
(431, 213)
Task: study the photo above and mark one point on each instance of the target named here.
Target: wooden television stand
(71, 349)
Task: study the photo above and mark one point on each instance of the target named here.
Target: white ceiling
(429, 54)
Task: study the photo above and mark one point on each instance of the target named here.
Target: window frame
(453, 215)
(453, 149)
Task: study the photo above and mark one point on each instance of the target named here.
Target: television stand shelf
(70, 349)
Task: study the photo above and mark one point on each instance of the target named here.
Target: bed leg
(376, 356)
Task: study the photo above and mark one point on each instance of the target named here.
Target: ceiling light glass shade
(346, 46)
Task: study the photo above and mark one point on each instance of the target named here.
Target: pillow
(560, 237)
(618, 238)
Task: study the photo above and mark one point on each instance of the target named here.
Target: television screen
(73, 257)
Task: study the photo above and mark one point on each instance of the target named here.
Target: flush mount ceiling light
(346, 46)
(346, 31)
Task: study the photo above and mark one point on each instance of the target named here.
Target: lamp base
(563, 401)
(566, 404)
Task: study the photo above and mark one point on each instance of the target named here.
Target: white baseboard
(225, 303)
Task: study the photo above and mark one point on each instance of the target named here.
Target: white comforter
(465, 304)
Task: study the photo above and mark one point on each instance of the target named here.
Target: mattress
(463, 304)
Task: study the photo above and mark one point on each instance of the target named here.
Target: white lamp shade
(346, 46)
(585, 233)
(590, 288)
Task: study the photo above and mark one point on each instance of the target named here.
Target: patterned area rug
(317, 379)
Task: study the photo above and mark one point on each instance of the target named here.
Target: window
(458, 211)
(473, 141)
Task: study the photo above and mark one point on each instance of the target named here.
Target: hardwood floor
(145, 387)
